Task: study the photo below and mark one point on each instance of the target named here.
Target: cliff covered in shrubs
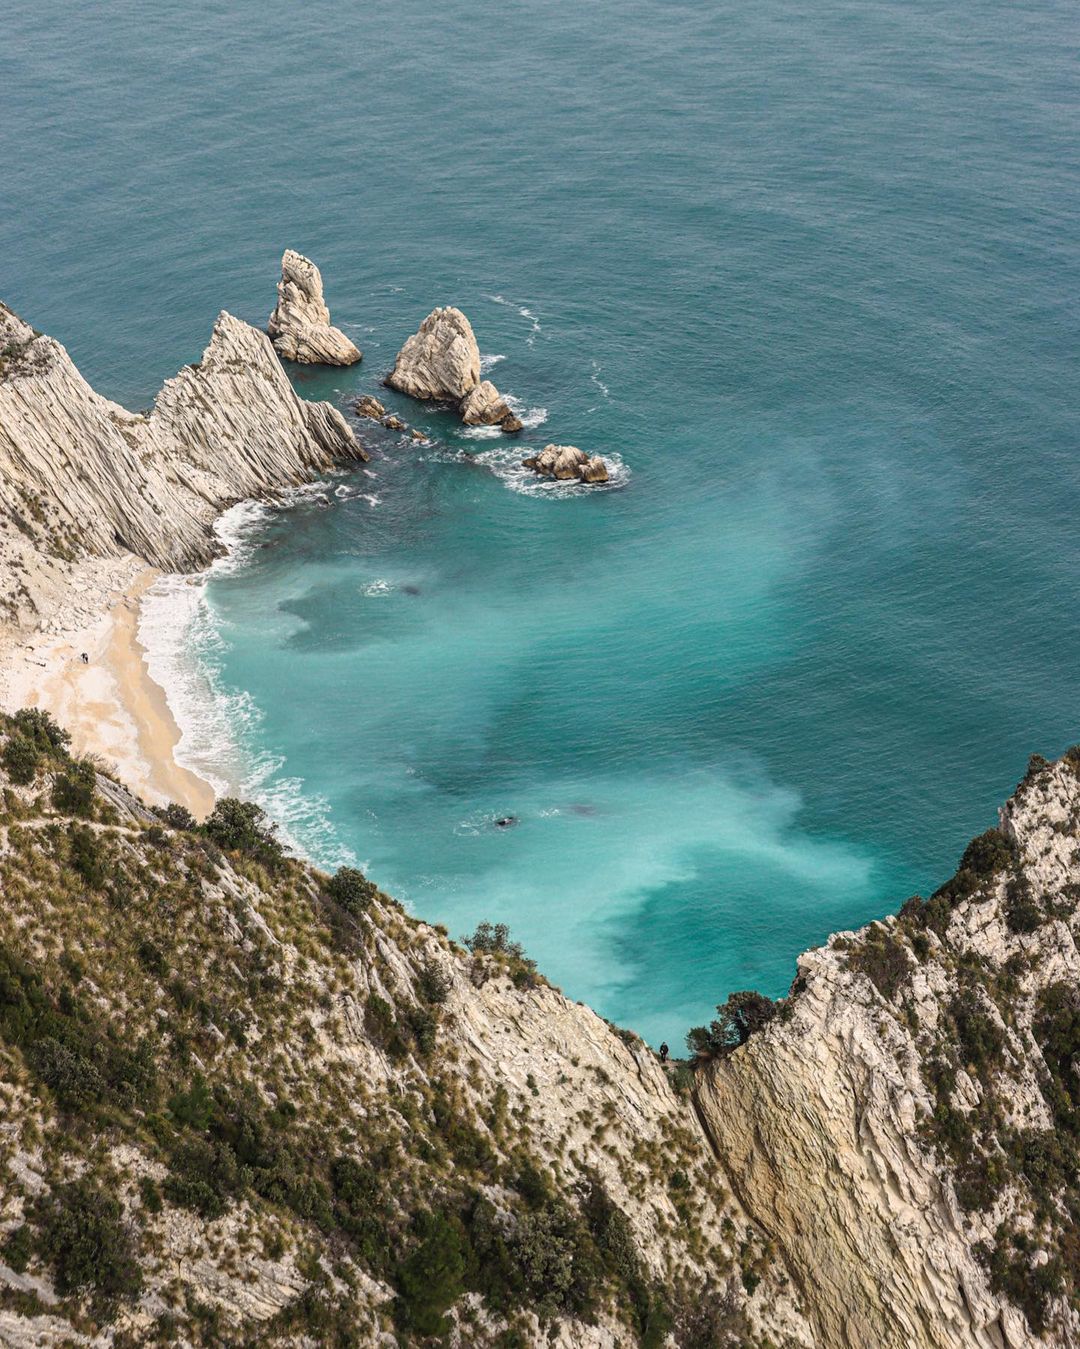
(243, 1102)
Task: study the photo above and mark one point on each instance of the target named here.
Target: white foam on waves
(184, 647)
(505, 463)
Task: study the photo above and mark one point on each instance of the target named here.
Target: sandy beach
(109, 703)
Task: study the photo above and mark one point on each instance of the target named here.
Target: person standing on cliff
(663, 1051)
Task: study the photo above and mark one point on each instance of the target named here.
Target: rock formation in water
(442, 361)
(82, 475)
(484, 405)
(300, 325)
(567, 462)
(366, 406)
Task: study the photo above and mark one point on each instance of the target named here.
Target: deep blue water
(810, 271)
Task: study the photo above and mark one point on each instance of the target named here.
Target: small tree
(85, 1240)
(432, 1278)
(242, 826)
(175, 816)
(41, 729)
(74, 789)
(351, 889)
(738, 1018)
(21, 759)
(85, 855)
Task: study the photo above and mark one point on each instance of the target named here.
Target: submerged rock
(567, 462)
(369, 407)
(440, 360)
(300, 325)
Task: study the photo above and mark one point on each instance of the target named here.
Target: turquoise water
(809, 271)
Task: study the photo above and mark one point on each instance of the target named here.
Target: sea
(807, 275)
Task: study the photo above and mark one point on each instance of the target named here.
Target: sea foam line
(180, 634)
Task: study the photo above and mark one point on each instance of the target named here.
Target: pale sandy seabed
(109, 704)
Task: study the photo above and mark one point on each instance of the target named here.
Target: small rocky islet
(300, 326)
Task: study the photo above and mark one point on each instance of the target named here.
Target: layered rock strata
(893, 1131)
(300, 325)
(81, 475)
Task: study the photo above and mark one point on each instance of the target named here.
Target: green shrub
(980, 1038)
(493, 939)
(423, 1024)
(984, 858)
(203, 1176)
(85, 1240)
(362, 1208)
(86, 856)
(150, 1194)
(434, 983)
(176, 816)
(18, 1248)
(1023, 913)
(74, 789)
(242, 826)
(431, 1278)
(740, 1017)
(883, 958)
(152, 958)
(21, 759)
(381, 1024)
(351, 889)
(42, 730)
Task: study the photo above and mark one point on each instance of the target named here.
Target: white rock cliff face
(820, 1121)
(300, 325)
(82, 475)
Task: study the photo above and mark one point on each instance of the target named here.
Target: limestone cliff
(81, 475)
(300, 324)
(905, 1131)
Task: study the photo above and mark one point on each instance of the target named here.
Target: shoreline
(111, 705)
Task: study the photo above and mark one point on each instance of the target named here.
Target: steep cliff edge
(906, 1129)
(81, 475)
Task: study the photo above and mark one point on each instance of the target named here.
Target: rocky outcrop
(485, 406)
(367, 406)
(567, 463)
(441, 361)
(81, 475)
(300, 325)
(884, 1131)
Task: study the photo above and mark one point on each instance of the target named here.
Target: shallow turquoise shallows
(809, 272)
